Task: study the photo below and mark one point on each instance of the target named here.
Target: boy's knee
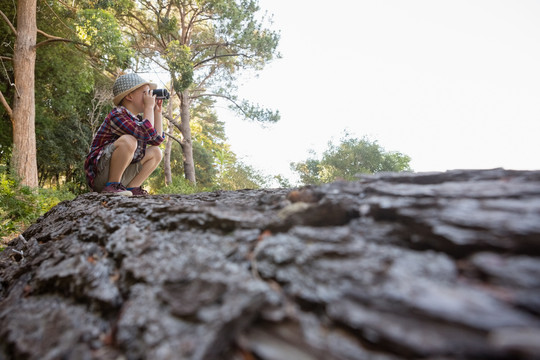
(127, 142)
(156, 153)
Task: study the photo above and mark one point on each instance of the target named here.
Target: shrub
(179, 186)
(20, 205)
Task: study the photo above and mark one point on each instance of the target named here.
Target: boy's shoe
(137, 191)
(117, 189)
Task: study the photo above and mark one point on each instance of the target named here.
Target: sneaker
(139, 191)
(117, 189)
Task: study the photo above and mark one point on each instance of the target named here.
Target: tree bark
(390, 267)
(185, 129)
(167, 160)
(168, 145)
(24, 59)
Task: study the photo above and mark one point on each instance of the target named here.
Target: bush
(179, 186)
(20, 205)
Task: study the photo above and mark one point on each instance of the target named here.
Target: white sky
(454, 84)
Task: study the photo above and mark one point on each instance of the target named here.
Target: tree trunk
(391, 267)
(168, 145)
(24, 59)
(185, 129)
(167, 158)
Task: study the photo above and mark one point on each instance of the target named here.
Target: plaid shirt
(120, 121)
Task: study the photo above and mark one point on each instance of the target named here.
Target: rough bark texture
(396, 266)
(24, 59)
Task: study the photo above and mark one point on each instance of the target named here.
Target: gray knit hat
(126, 84)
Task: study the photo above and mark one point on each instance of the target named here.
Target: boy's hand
(149, 100)
(159, 105)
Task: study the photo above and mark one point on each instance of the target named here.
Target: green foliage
(17, 204)
(7, 45)
(236, 23)
(204, 165)
(350, 157)
(241, 176)
(235, 177)
(179, 186)
(308, 171)
(217, 166)
(178, 57)
(256, 112)
(100, 31)
(206, 127)
(64, 91)
(167, 24)
(283, 182)
(6, 138)
(235, 39)
(20, 206)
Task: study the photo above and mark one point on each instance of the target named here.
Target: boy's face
(136, 99)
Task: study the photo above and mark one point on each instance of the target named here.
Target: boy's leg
(124, 148)
(149, 163)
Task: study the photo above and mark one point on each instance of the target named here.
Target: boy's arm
(158, 119)
(149, 102)
(122, 123)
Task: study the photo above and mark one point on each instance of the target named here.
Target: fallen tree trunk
(394, 266)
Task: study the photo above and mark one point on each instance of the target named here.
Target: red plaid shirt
(120, 121)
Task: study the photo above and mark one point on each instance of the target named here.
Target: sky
(453, 84)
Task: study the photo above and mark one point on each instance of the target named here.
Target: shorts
(102, 175)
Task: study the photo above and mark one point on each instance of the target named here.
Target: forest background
(205, 45)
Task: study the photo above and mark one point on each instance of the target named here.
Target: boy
(125, 149)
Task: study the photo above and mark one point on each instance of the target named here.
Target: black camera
(161, 93)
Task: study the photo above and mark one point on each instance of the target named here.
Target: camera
(161, 93)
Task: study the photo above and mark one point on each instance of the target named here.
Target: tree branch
(8, 22)
(152, 59)
(51, 38)
(6, 105)
(147, 30)
(157, 13)
(217, 57)
(173, 121)
(66, 5)
(207, 77)
(175, 138)
(187, 37)
(58, 17)
(206, 45)
(224, 97)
